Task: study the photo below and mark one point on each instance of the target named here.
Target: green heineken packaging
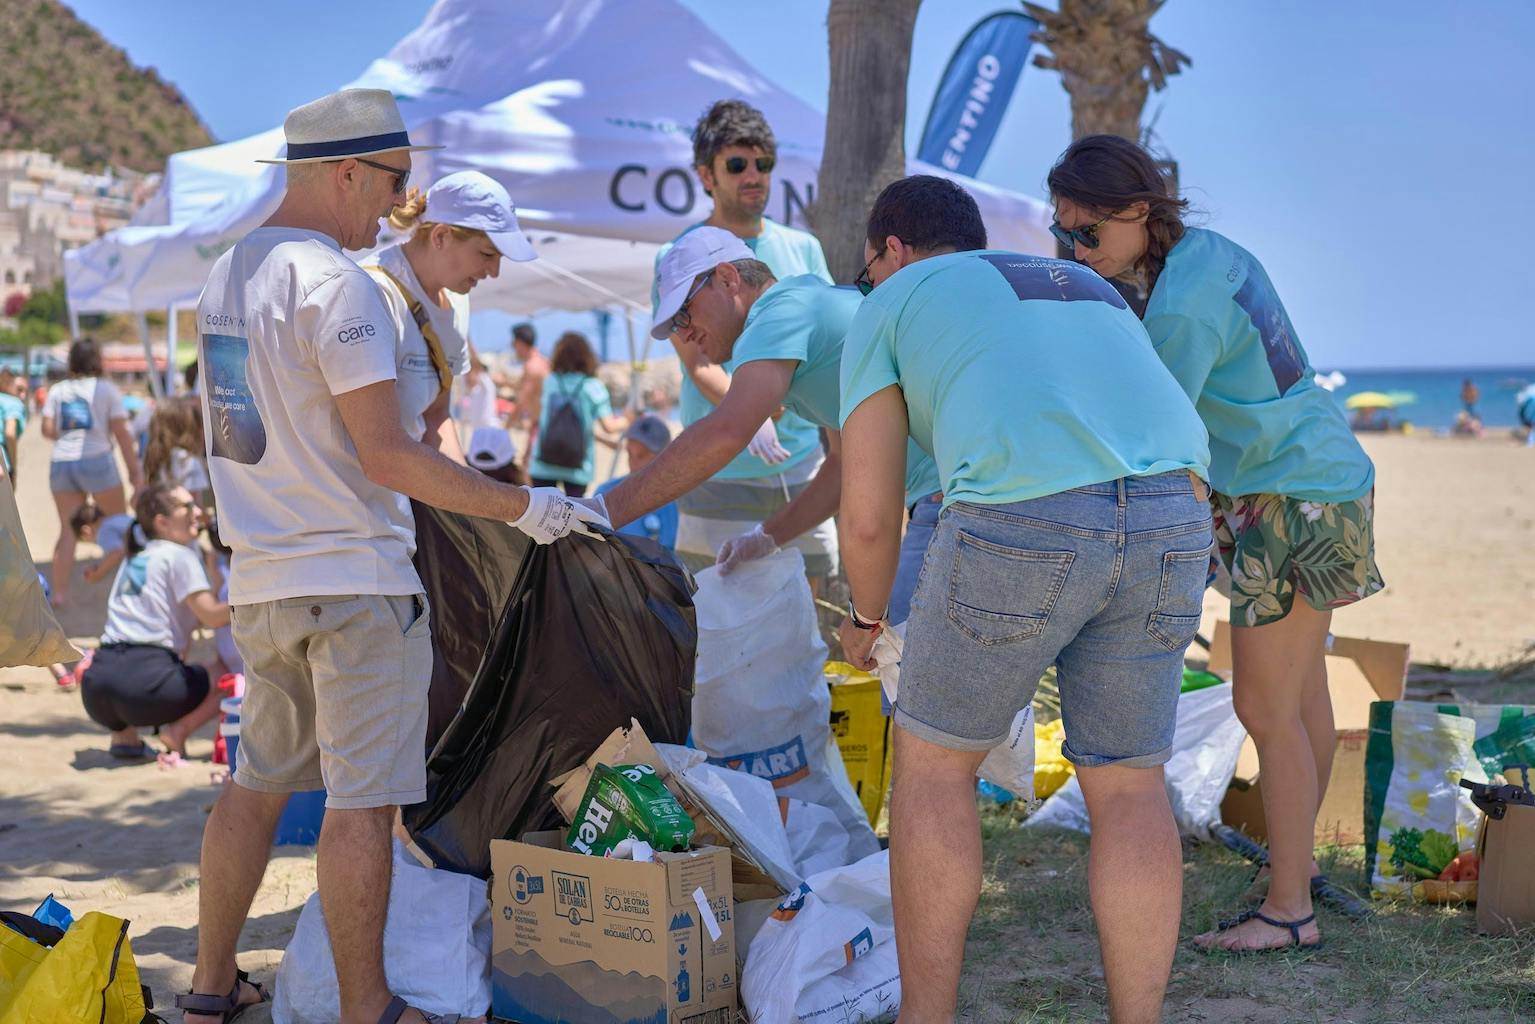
(628, 801)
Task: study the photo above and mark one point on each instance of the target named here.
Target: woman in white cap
(460, 230)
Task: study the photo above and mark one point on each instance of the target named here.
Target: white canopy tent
(567, 105)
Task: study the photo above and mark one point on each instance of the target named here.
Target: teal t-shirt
(804, 319)
(591, 400)
(1220, 328)
(1024, 376)
(787, 252)
(11, 408)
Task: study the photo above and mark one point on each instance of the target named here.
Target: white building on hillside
(47, 208)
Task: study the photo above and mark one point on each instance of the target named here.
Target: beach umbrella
(1370, 400)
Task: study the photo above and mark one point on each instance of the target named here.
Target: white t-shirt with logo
(83, 409)
(148, 604)
(287, 322)
(416, 379)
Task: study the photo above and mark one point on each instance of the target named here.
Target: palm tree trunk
(865, 147)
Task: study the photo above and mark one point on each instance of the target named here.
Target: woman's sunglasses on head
(1069, 237)
(737, 164)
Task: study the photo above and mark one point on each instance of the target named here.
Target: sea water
(1437, 393)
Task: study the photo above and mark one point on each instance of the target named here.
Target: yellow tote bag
(862, 733)
(87, 977)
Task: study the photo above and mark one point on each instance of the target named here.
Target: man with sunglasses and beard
(734, 153)
(312, 468)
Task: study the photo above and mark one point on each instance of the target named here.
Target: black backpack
(562, 441)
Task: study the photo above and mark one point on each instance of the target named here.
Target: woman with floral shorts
(1293, 491)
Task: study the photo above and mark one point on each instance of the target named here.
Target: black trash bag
(467, 566)
(593, 632)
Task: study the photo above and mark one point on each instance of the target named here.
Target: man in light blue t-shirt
(784, 339)
(1075, 533)
(733, 154)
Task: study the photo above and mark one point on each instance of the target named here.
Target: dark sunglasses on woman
(737, 164)
(1068, 237)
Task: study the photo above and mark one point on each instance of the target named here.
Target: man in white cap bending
(312, 469)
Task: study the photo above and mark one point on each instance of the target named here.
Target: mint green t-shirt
(1220, 328)
(1024, 376)
(805, 319)
(592, 402)
(787, 252)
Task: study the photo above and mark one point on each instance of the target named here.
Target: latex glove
(745, 548)
(551, 515)
(764, 444)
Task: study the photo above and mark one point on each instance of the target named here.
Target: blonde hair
(411, 216)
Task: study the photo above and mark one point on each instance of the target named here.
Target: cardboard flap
(623, 746)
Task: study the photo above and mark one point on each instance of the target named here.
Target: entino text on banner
(972, 96)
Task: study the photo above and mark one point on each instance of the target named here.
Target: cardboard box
(1505, 890)
(632, 746)
(579, 938)
(1359, 672)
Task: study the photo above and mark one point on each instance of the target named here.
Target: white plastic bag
(1206, 743)
(745, 803)
(436, 949)
(1010, 764)
(827, 954)
(761, 704)
(818, 840)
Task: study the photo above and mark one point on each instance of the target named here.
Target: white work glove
(764, 444)
(551, 515)
(745, 548)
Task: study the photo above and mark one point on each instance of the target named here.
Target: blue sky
(1376, 158)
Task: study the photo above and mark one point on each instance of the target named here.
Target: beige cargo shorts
(335, 696)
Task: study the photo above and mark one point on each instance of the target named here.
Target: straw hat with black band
(349, 124)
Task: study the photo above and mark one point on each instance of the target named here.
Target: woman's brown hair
(1106, 174)
(573, 354)
(177, 423)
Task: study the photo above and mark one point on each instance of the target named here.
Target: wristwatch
(858, 621)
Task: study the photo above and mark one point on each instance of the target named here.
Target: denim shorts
(1105, 582)
(90, 475)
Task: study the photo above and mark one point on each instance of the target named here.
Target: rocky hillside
(67, 91)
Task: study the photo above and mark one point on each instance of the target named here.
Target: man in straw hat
(312, 470)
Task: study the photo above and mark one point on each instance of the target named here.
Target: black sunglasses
(863, 282)
(737, 164)
(1088, 235)
(400, 177)
(682, 318)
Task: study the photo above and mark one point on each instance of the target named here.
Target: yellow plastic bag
(1051, 769)
(29, 634)
(862, 733)
(88, 977)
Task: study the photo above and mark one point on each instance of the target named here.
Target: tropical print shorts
(1276, 547)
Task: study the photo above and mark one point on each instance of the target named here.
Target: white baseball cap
(696, 252)
(490, 448)
(470, 199)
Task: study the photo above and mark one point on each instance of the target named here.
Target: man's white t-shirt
(83, 409)
(416, 379)
(148, 604)
(287, 322)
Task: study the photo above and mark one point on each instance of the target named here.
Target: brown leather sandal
(226, 1007)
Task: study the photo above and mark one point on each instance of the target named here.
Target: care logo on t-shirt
(1037, 277)
(234, 426)
(354, 329)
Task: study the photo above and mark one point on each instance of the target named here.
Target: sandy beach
(1455, 542)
